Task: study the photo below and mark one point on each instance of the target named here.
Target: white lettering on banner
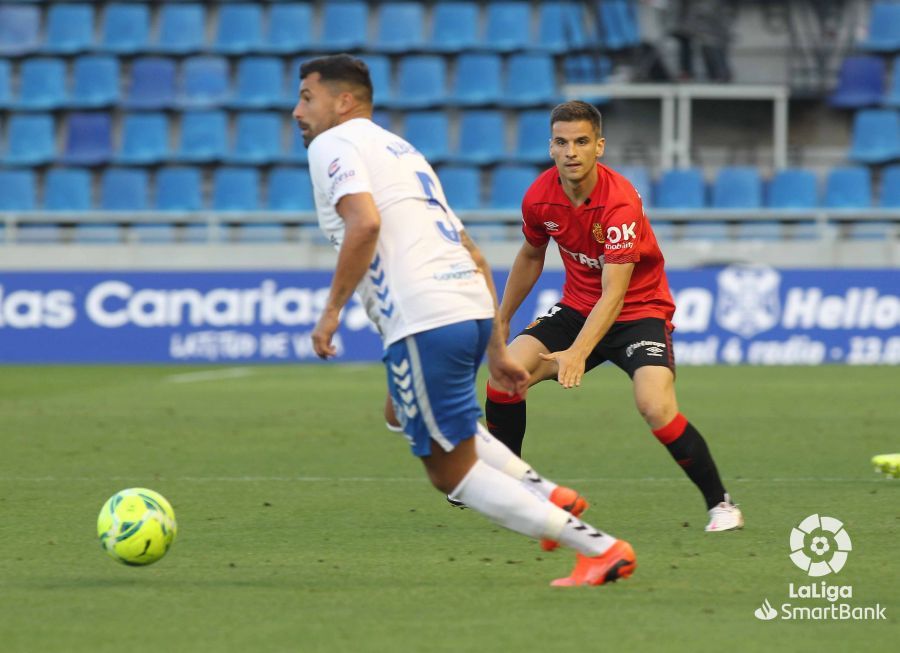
(693, 308)
(113, 304)
(700, 352)
(796, 350)
(858, 308)
(32, 309)
(238, 345)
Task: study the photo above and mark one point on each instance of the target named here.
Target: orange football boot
(570, 501)
(618, 562)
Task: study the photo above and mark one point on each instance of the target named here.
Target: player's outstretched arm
(615, 280)
(362, 223)
(525, 272)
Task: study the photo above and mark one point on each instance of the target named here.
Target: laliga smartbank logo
(819, 546)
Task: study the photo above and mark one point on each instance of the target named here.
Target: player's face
(317, 108)
(575, 148)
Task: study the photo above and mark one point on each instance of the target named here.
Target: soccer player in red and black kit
(616, 304)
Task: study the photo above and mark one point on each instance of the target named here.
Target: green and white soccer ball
(136, 526)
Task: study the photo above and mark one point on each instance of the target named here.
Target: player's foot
(570, 501)
(888, 464)
(618, 562)
(724, 517)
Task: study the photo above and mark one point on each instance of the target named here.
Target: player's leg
(554, 331)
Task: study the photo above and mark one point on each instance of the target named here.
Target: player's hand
(508, 374)
(571, 367)
(323, 333)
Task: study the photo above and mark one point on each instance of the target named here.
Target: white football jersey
(421, 277)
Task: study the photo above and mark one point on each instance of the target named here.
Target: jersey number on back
(444, 226)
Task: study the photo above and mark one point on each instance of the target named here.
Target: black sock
(505, 420)
(690, 451)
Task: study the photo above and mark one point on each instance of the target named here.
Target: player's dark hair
(341, 68)
(576, 110)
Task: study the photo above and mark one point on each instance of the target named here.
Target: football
(136, 526)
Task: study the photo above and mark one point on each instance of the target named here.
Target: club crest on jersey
(597, 230)
(333, 167)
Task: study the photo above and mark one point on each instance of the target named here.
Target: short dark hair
(576, 110)
(341, 68)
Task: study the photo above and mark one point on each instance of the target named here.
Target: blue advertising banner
(741, 314)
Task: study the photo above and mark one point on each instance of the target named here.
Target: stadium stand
(178, 189)
(681, 189)
(182, 29)
(876, 136)
(19, 30)
(401, 27)
(124, 189)
(125, 29)
(95, 82)
(239, 29)
(455, 27)
(429, 132)
(17, 190)
(70, 29)
(884, 28)
(42, 85)
(30, 140)
(151, 84)
(849, 187)
(482, 138)
(478, 80)
(860, 83)
(290, 29)
(88, 139)
(145, 139)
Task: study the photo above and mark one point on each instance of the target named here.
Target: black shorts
(629, 345)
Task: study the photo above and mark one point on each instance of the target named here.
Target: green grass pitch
(305, 526)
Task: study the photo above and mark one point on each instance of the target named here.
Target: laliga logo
(820, 537)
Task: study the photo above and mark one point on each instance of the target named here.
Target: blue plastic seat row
(884, 27)
(257, 137)
(242, 27)
(848, 187)
(175, 189)
(861, 83)
(260, 82)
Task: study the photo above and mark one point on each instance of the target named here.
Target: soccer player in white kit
(429, 292)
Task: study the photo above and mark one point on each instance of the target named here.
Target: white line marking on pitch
(212, 375)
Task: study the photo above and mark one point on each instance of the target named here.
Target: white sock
(499, 456)
(504, 501)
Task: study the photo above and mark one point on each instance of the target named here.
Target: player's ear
(601, 145)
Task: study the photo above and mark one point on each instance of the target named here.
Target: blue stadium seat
(145, 139)
(239, 28)
(380, 72)
(884, 28)
(382, 119)
(152, 84)
(848, 188)
(344, 26)
(759, 230)
(462, 187)
(640, 178)
(290, 28)
(31, 140)
(429, 132)
(478, 79)
(892, 95)
(17, 190)
(508, 186)
(204, 136)
(178, 189)
(204, 82)
(561, 27)
(6, 98)
(530, 81)
(96, 82)
(706, 230)
(793, 189)
(587, 68)
(125, 28)
(681, 189)
(290, 189)
(257, 138)
(297, 152)
(20, 27)
(455, 27)
(235, 189)
(860, 83)
(88, 139)
(123, 189)
(533, 137)
(876, 136)
(42, 85)
(737, 187)
(70, 28)
(401, 27)
(182, 28)
(482, 137)
(889, 198)
(421, 82)
(67, 189)
(619, 22)
(260, 83)
(508, 26)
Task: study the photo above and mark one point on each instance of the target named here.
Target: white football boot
(724, 517)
